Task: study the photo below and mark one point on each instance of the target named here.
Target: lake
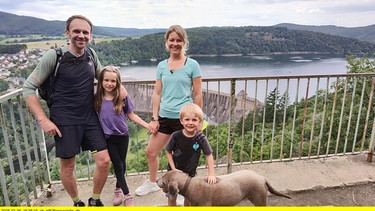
(242, 66)
(247, 66)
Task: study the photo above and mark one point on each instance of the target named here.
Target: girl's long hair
(117, 101)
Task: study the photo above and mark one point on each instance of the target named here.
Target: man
(73, 122)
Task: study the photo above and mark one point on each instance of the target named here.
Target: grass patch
(47, 43)
(141, 136)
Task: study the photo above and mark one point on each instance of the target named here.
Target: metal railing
(24, 165)
(252, 119)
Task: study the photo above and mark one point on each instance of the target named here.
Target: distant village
(14, 68)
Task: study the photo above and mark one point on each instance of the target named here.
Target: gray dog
(229, 190)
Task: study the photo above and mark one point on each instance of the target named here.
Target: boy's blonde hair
(191, 108)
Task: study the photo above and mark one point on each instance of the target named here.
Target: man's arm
(46, 124)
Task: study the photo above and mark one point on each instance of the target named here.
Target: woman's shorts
(168, 126)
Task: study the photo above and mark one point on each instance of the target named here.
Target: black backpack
(47, 88)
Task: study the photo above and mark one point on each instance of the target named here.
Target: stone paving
(288, 177)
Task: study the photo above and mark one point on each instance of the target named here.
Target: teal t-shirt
(176, 87)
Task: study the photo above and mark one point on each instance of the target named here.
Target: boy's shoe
(95, 202)
(146, 188)
(79, 204)
(117, 197)
(129, 200)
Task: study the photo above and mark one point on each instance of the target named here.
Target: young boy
(184, 147)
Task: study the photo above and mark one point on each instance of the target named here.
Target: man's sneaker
(95, 202)
(129, 200)
(117, 197)
(146, 188)
(79, 204)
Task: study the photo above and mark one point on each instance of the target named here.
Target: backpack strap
(90, 57)
(59, 54)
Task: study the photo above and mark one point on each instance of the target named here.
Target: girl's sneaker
(117, 197)
(129, 200)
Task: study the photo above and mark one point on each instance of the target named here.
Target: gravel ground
(356, 195)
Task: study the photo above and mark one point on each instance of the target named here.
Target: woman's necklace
(176, 64)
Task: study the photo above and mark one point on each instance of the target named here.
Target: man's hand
(49, 127)
(123, 92)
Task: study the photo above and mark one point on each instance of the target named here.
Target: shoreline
(268, 54)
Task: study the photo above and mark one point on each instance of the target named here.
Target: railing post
(9, 156)
(231, 122)
(4, 186)
(372, 143)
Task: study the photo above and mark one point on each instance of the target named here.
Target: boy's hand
(211, 180)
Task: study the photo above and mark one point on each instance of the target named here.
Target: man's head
(79, 31)
(70, 19)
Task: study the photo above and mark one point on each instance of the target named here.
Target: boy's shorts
(168, 126)
(74, 137)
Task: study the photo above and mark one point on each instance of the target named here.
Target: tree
(4, 85)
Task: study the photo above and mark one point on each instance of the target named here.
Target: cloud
(194, 13)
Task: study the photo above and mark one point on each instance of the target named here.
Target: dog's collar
(183, 191)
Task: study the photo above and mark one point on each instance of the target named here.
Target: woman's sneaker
(146, 188)
(129, 200)
(117, 197)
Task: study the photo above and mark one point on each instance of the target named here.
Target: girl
(113, 113)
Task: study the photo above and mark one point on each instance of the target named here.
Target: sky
(195, 13)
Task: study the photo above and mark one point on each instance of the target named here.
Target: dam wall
(215, 105)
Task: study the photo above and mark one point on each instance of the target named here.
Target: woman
(175, 78)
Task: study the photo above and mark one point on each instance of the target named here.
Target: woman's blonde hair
(191, 108)
(117, 101)
(181, 33)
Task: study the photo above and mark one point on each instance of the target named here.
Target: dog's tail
(275, 192)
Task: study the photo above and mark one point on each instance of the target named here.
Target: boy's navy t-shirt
(186, 151)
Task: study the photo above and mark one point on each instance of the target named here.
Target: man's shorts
(168, 126)
(74, 137)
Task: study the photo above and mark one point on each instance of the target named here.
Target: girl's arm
(135, 118)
